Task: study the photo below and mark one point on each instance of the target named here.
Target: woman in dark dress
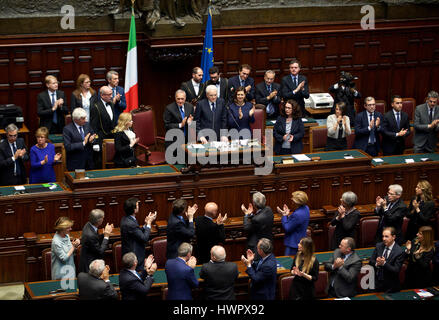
(288, 130)
(421, 208)
(305, 270)
(339, 128)
(124, 142)
(241, 114)
(419, 254)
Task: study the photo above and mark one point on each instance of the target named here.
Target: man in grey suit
(426, 125)
(343, 269)
(95, 285)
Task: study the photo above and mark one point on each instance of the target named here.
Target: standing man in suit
(180, 274)
(208, 232)
(263, 273)
(79, 138)
(135, 238)
(211, 115)
(367, 128)
(392, 211)
(257, 225)
(426, 125)
(178, 115)
(117, 93)
(194, 88)
(243, 79)
(343, 268)
(396, 127)
(94, 245)
(268, 94)
(179, 230)
(135, 286)
(219, 276)
(95, 284)
(52, 106)
(387, 259)
(295, 86)
(13, 154)
(222, 84)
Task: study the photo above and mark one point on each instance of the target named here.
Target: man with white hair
(211, 114)
(79, 138)
(257, 224)
(219, 276)
(96, 285)
(392, 211)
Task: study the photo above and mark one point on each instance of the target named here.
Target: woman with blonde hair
(63, 264)
(421, 208)
(419, 255)
(42, 158)
(295, 221)
(124, 141)
(83, 96)
(305, 270)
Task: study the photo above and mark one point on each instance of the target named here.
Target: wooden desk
(319, 111)
(24, 132)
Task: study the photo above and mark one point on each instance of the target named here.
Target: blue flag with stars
(207, 55)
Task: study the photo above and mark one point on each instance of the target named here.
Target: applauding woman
(296, 222)
(83, 96)
(339, 128)
(124, 142)
(305, 270)
(42, 157)
(421, 208)
(289, 130)
(241, 114)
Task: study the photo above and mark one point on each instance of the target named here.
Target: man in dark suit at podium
(52, 106)
(396, 128)
(295, 86)
(268, 94)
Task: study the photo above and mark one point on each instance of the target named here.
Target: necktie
(397, 120)
(55, 117)
(213, 107)
(182, 117)
(81, 132)
(372, 132)
(17, 169)
(390, 206)
(269, 88)
(295, 81)
(431, 115)
(259, 264)
(114, 93)
(242, 83)
(386, 253)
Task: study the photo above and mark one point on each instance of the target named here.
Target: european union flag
(207, 55)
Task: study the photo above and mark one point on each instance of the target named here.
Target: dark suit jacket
(219, 280)
(93, 247)
(345, 227)
(208, 235)
(100, 120)
(263, 279)
(417, 220)
(7, 165)
(172, 117)
(258, 226)
(234, 84)
(91, 288)
(387, 276)
(392, 218)
(134, 239)
(362, 130)
(191, 96)
(77, 103)
(262, 93)
(78, 156)
(206, 119)
(297, 130)
(181, 279)
(425, 139)
(177, 232)
(124, 155)
(133, 288)
(44, 109)
(288, 87)
(223, 91)
(345, 278)
(121, 105)
(392, 144)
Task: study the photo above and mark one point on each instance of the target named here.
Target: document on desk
(19, 188)
(409, 160)
(301, 157)
(348, 157)
(378, 160)
(196, 146)
(304, 120)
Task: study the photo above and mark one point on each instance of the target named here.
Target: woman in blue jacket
(295, 222)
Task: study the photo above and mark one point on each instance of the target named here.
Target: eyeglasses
(12, 135)
(391, 193)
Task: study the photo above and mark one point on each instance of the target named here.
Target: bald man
(219, 276)
(208, 232)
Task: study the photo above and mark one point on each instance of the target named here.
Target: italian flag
(131, 86)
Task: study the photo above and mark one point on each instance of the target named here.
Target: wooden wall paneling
(262, 57)
(13, 262)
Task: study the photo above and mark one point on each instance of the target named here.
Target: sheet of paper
(409, 161)
(349, 157)
(378, 160)
(18, 188)
(304, 120)
(301, 157)
(273, 121)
